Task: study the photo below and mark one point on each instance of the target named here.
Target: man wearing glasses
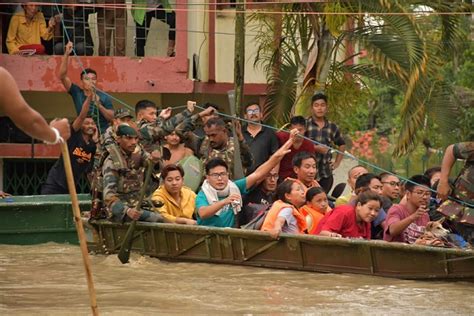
(390, 189)
(220, 199)
(263, 194)
(406, 221)
(261, 140)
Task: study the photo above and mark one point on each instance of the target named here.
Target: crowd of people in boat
(249, 175)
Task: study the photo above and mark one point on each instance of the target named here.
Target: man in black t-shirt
(81, 146)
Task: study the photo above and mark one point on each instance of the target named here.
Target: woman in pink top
(406, 221)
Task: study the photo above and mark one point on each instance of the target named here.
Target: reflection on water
(49, 279)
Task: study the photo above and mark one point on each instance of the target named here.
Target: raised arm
(446, 165)
(76, 125)
(63, 68)
(258, 175)
(27, 119)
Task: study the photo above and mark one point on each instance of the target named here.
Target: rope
(364, 162)
(361, 161)
(84, 72)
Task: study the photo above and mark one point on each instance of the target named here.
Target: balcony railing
(111, 29)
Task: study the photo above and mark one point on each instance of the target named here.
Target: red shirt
(342, 220)
(286, 164)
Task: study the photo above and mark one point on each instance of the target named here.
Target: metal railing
(26, 176)
(117, 30)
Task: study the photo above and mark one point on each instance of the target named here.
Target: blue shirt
(226, 218)
(79, 97)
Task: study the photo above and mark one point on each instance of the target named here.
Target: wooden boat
(307, 253)
(38, 219)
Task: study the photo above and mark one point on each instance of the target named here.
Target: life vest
(312, 217)
(272, 216)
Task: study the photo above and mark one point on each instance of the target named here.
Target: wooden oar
(124, 253)
(80, 229)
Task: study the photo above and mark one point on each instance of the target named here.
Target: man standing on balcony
(81, 146)
(325, 132)
(112, 16)
(143, 12)
(101, 108)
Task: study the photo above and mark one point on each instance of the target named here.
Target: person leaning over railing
(26, 30)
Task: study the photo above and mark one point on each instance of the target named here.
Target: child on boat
(283, 216)
(315, 208)
(352, 221)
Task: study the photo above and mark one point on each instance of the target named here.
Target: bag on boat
(261, 211)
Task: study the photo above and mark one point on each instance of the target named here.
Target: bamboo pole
(80, 229)
(239, 58)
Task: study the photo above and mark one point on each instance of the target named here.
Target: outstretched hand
(207, 112)
(68, 49)
(165, 113)
(190, 106)
(286, 148)
(238, 129)
(443, 190)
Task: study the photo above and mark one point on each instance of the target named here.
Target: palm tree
(304, 55)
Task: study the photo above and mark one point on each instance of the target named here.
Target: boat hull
(302, 252)
(36, 219)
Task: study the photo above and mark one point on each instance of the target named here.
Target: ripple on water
(49, 279)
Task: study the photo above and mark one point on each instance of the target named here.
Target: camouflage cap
(126, 130)
(122, 113)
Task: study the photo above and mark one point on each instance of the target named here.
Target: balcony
(203, 61)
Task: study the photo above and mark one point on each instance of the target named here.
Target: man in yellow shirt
(178, 201)
(27, 28)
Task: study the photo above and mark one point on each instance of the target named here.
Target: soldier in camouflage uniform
(462, 212)
(107, 144)
(218, 144)
(123, 173)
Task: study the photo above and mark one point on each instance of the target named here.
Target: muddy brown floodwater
(49, 279)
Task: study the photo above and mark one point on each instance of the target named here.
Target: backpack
(261, 211)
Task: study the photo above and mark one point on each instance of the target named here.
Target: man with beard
(123, 176)
(261, 140)
(218, 144)
(81, 146)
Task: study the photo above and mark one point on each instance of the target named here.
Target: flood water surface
(49, 279)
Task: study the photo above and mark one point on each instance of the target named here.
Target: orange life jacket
(312, 217)
(272, 216)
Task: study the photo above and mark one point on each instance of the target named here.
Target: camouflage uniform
(226, 153)
(152, 134)
(463, 215)
(107, 143)
(122, 179)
